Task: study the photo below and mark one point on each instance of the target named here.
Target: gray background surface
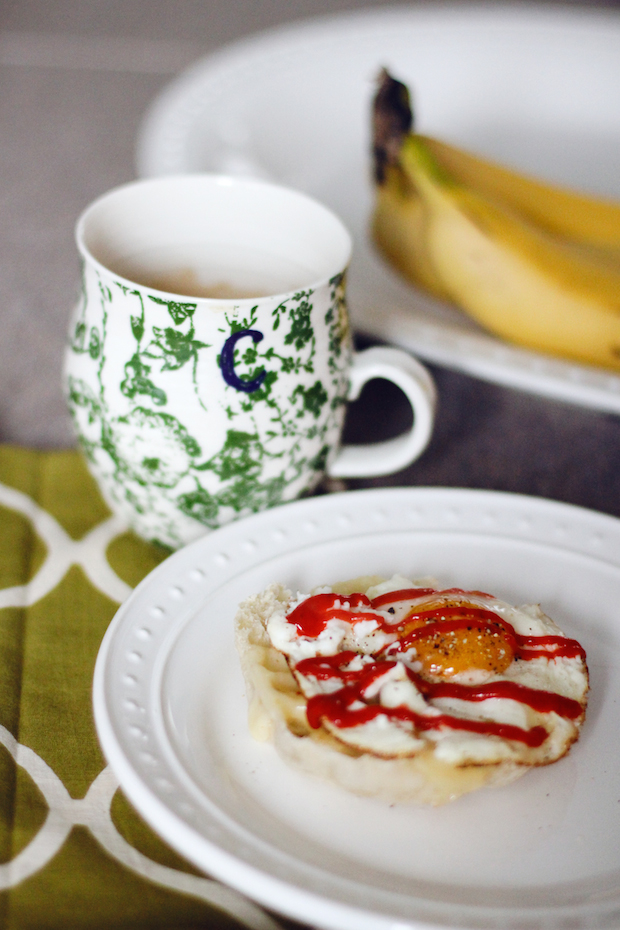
(76, 78)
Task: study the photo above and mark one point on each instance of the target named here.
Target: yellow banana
(557, 210)
(534, 264)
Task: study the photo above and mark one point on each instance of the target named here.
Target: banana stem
(392, 121)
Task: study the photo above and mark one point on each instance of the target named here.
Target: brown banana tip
(392, 120)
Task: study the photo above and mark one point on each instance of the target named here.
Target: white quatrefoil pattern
(37, 867)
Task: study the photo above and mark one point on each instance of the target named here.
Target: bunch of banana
(534, 264)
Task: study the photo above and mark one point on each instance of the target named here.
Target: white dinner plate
(171, 713)
(535, 87)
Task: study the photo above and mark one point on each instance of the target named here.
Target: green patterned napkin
(73, 853)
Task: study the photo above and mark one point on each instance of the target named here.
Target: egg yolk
(446, 653)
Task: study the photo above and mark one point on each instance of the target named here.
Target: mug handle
(385, 458)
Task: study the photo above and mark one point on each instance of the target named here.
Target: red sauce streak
(326, 667)
(449, 619)
(406, 594)
(566, 648)
(409, 594)
(335, 707)
(312, 615)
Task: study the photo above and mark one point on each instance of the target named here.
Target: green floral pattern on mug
(169, 430)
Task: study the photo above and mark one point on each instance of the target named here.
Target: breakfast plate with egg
(414, 652)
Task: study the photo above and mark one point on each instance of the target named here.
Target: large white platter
(171, 715)
(535, 87)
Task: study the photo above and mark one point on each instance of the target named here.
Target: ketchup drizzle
(335, 707)
(347, 707)
(312, 615)
(406, 594)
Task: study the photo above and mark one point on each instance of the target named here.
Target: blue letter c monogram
(227, 362)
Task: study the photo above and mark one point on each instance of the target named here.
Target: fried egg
(405, 667)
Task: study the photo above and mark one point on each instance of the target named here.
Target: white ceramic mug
(209, 359)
